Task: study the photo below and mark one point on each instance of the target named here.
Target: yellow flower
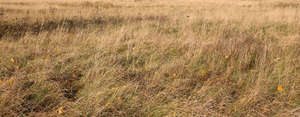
(227, 57)
(107, 104)
(119, 99)
(73, 76)
(279, 88)
(174, 75)
(12, 60)
(10, 81)
(266, 109)
(60, 110)
(203, 73)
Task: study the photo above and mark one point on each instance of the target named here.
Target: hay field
(150, 58)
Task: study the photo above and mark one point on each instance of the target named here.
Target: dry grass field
(150, 58)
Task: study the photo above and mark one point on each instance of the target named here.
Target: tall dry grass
(149, 58)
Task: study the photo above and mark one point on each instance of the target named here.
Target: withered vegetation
(149, 58)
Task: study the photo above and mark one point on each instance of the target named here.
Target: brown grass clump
(149, 58)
